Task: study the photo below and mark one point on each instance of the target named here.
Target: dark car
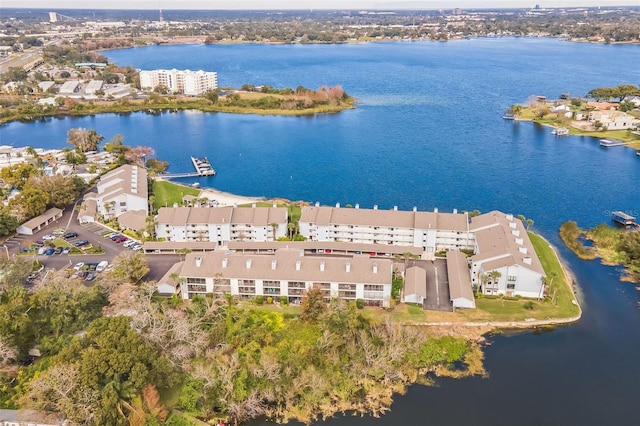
(58, 250)
(49, 251)
(116, 237)
(81, 243)
(70, 235)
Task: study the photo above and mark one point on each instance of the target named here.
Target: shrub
(259, 300)
(359, 303)
(529, 305)
(284, 300)
(269, 300)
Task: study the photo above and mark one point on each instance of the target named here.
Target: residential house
(614, 120)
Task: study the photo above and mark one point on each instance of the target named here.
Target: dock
(202, 166)
(560, 131)
(612, 142)
(623, 219)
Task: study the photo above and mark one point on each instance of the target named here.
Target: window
(197, 288)
(511, 286)
(193, 280)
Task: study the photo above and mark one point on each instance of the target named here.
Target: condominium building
(432, 231)
(187, 82)
(221, 225)
(505, 261)
(285, 273)
(121, 190)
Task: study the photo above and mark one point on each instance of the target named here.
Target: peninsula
(606, 112)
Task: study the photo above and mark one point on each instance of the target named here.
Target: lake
(428, 132)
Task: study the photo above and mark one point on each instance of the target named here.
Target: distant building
(187, 82)
(93, 86)
(70, 87)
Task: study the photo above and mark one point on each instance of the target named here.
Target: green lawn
(166, 193)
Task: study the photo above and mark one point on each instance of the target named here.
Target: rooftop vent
(198, 262)
(298, 263)
(273, 264)
(322, 266)
(248, 263)
(348, 267)
(225, 262)
(375, 268)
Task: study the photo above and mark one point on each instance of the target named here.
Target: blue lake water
(428, 132)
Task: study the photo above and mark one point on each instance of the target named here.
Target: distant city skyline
(305, 4)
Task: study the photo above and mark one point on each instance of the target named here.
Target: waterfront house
(505, 261)
(614, 120)
(286, 273)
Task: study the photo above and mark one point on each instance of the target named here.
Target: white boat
(560, 131)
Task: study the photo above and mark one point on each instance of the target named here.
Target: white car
(78, 266)
(48, 237)
(102, 266)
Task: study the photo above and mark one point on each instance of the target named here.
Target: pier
(612, 142)
(202, 166)
(623, 219)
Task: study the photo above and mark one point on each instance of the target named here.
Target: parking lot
(93, 234)
(437, 283)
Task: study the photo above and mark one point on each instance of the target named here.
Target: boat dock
(560, 131)
(624, 219)
(612, 142)
(202, 166)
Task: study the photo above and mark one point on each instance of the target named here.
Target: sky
(54, 5)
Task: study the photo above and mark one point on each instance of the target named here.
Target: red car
(120, 240)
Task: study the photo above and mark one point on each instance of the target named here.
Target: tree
(312, 305)
(31, 201)
(61, 190)
(14, 74)
(18, 174)
(84, 140)
(156, 165)
(129, 267)
(212, 95)
(8, 223)
(138, 154)
(529, 223)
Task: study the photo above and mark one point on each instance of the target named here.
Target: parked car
(81, 243)
(102, 266)
(66, 250)
(91, 276)
(136, 247)
(116, 236)
(58, 250)
(48, 237)
(129, 243)
(41, 250)
(49, 251)
(70, 235)
(120, 239)
(58, 231)
(78, 266)
(86, 247)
